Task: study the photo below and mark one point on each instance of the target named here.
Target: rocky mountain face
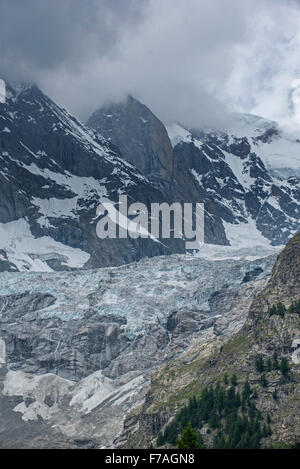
(145, 142)
(140, 135)
(247, 175)
(78, 349)
(251, 169)
(54, 172)
(263, 335)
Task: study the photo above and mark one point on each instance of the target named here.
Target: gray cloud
(189, 61)
(42, 35)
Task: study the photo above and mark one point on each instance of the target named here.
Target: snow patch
(178, 134)
(29, 253)
(37, 389)
(245, 235)
(55, 208)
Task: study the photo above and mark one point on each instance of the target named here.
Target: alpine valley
(105, 343)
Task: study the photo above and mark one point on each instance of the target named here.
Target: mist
(190, 62)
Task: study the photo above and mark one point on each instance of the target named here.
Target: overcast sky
(188, 60)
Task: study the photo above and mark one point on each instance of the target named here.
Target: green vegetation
(294, 307)
(284, 367)
(261, 367)
(259, 364)
(269, 365)
(281, 310)
(234, 380)
(263, 381)
(283, 445)
(278, 308)
(225, 416)
(189, 439)
(275, 361)
(231, 416)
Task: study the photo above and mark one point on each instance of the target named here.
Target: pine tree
(246, 390)
(265, 431)
(263, 381)
(219, 442)
(269, 430)
(272, 310)
(189, 439)
(275, 361)
(281, 309)
(220, 408)
(233, 380)
(213, 420)
(193, 403)
(160, 439)
(284, 367)
(259, 364)
(295, 307)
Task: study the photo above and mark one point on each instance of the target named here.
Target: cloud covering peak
(189, 61)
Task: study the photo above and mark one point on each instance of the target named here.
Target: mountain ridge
(54, 173)
(226, 170)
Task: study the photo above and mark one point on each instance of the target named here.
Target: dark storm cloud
(46, 34)
(188, 60)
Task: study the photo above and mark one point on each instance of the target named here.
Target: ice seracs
(78, 349)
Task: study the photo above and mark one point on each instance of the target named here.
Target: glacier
(78, 349)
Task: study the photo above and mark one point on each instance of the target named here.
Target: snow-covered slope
(250, 171)
(278, 149)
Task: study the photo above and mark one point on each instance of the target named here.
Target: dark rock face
(5, 265)
(53, 174)
(144, 142)
(252, 274)
(54, 346)
(139, 134)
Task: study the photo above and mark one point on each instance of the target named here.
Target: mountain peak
(19, 87)
(140, 135)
